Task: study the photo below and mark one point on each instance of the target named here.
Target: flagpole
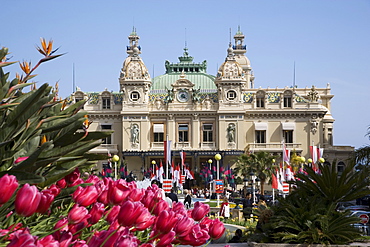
(168, 158)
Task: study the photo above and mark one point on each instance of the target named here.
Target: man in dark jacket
(173, 196)
(247, 206)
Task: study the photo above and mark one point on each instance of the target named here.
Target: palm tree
(37, 125)
(260, 164)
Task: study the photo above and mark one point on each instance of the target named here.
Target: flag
(286, 154)
(188, 174)
(289, 174)
(275, 184)
(182, 157)
(314, 154)
(280, 179)
(167, 153)
(160, 173)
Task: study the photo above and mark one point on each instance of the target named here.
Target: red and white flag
(160, 173)
(182, 157)
(286, 154)
(167, 152)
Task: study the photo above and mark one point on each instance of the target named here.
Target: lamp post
(154, 163)
(253, 183)
(210, 176)
(218, 158)
(115, 159)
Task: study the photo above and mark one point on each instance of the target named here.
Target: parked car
(363, 225)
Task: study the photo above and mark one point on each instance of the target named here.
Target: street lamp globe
(218, 157)
(154, 162)
(322, 160)
(210, 161)
(303, 159)
(115, 158)
(309, 160)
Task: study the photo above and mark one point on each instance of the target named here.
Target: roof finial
(185, 39)
(230, 35)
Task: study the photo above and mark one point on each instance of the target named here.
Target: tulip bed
(98, 212)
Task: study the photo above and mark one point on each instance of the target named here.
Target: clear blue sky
(328, 40)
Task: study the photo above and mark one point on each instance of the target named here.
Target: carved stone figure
(231, 133)
(170, 95)
(196, 95)
(313, 95)
(135, 131)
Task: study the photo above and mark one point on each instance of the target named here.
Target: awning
(260, 126)
(288, 126)
(158, 128)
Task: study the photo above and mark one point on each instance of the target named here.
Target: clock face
(182, 96)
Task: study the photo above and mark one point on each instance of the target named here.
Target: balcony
(182, 145)
(105, 148)
(208, 145)
(274, 147)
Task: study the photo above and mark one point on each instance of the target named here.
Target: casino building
(203, 114)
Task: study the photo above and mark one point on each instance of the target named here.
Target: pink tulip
(160, 206)
(112, 214)
(103, 197)
(118, 192)
(62, 183)
(217, 229)
(166, 239)
(65, 239)
(27, 200)
(199, 211)
(85, 196)
(72, 177)
(46, 199)
(77, 214)
(99, 237)
(183, 226)
(179, 208)
(92, 179)
(165, 221)
(196, 237)
(96, 212)
(79, 243)
(47, 241)
(22, 239)
(20, 159)
(145, 220)
(54, 189)
(136, 195)
(147, 245)
(76, 229)
(8, 185)
(148, 199)
(76, 182)
(205, 223)
(129, 213)
(127, 239)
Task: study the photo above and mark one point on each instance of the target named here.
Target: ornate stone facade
(204, 114)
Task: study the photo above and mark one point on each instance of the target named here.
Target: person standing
(225, 209)
(173, 196)
(247, 206)
(187, 201)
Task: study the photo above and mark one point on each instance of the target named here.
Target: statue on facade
(135, 131)
(196, 95)
(313, 95)
(170, 95)
(231, 133)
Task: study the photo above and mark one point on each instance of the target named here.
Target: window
(158, 132)
(288, 136)
(207, 132)
(288, 99)
(79, 98)
(340, 167)
(183, 132)
(134, 96)
(330, 136)
(260, 136)
(260, 99)
(231, 95)
(106, 102)
(108, 139)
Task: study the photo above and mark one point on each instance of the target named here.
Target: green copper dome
(194, 72)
